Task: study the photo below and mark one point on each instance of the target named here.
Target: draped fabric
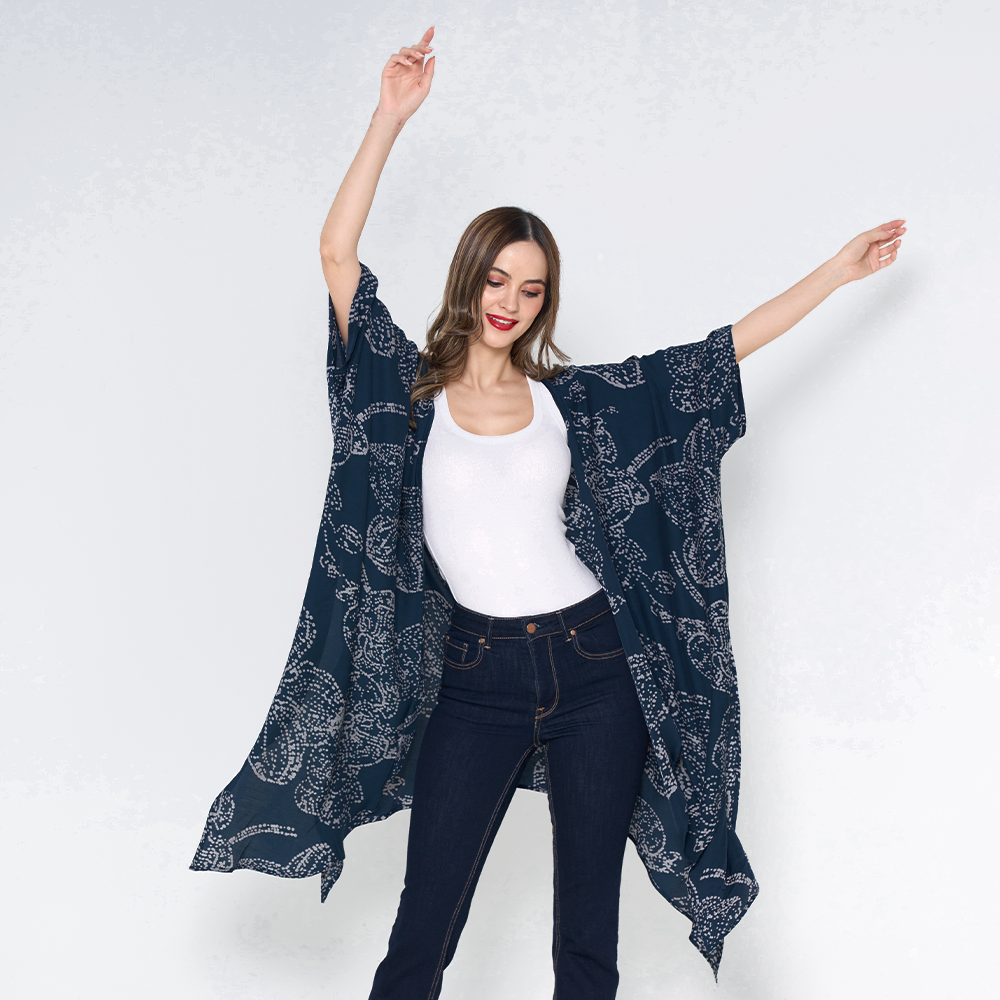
(643, 510)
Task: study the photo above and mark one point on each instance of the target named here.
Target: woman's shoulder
(371, 329)
(711, 356)
(620, 374)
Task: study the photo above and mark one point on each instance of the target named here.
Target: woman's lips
(500, 323)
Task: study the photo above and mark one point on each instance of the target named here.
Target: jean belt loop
(566, 634)
(489, 631)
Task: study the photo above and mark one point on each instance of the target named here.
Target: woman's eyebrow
(530, 281)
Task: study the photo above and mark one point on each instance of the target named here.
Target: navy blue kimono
(643, 509)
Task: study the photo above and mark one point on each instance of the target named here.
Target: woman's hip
(513, 670)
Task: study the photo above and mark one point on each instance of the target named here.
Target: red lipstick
(501, 323)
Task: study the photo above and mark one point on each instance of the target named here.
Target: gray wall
(165, 446)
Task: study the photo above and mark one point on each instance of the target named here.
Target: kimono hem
(643, 511)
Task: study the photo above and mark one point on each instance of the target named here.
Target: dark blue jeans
(559, 681)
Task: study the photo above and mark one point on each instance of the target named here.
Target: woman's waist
(531, 626)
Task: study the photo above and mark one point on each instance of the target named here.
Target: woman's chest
(503, 410)
(458, 470)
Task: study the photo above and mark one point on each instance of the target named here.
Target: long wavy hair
(443, 360)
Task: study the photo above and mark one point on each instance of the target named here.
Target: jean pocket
(598, 639)
(462, 650)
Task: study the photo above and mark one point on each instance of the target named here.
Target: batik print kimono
(339, 746)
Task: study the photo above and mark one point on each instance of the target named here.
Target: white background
(165, 447)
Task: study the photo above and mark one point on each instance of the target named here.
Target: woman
(520, 573)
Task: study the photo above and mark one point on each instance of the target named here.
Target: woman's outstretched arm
(864, 255)
(406, 81)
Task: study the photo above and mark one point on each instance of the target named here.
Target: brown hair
(461, 309)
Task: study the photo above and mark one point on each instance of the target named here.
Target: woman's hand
(406, 81)
(870, 251)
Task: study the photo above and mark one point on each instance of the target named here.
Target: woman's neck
(487, 367)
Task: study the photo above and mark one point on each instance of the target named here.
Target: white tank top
(493, 514)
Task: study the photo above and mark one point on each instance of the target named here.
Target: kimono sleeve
(701, 381)
(371, 331)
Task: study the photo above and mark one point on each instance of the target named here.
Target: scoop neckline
(536, 417)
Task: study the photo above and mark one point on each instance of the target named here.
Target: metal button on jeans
(531, 626)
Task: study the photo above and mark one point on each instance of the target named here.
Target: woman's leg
(469, 764)
(559, 680)
(596, 742)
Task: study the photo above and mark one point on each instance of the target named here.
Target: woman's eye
(494, 284)
(532, 295)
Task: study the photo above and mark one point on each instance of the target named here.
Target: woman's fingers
(406, 57)
(415, 51)
(889, 238)
(882, 256)
(884, 232)
(422, 47)
(402, 58)
(409, 55)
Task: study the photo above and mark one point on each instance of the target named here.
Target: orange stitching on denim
(475, 865)
(467, 631)
(592, 617)
(557, 916)
(597, 656)
(464, 666)
(555, 678)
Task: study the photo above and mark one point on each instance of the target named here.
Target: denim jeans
(559, 681)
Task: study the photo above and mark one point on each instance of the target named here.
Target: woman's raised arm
(406, 81)
(864, 255)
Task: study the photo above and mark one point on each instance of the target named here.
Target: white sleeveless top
(493, 515)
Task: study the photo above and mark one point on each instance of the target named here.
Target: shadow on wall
(837, 348)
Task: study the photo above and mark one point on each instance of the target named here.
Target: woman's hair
(461, 309)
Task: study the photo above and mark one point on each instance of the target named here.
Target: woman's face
(514, 294)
